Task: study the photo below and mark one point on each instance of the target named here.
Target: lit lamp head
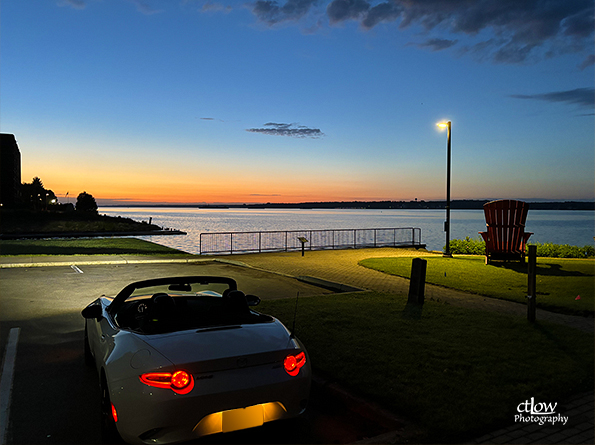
(443, 124)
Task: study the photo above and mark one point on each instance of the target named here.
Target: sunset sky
(193, 101)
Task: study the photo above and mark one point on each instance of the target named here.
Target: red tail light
(293, 363)
(179, 381)
(114, 413)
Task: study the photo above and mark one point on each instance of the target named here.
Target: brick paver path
(341, 266)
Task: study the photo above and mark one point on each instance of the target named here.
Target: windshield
(187, 289)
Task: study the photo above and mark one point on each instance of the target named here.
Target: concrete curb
(102, 262)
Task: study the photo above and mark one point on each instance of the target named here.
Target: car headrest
(162, 304)
(235, 302)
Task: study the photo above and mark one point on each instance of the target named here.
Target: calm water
(554, 226)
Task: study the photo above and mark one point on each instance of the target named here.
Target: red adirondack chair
(505, 238)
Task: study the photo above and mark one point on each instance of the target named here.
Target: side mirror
(92, 311)
(252, 300)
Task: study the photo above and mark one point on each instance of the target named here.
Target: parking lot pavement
(55, 398)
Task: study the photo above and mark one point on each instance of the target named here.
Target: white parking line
(6, 381)
(76, 269)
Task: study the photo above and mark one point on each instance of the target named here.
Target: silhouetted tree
(86, 203)
(35, 196)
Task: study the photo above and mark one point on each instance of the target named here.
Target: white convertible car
(183, 357)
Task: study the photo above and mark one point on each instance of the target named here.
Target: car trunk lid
(225, 347)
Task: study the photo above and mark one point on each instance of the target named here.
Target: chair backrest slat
(505, 221)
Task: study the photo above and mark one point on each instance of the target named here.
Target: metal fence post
(531, 283)
(223, 242)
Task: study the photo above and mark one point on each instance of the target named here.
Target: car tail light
(179, 381)
(114, 413)
(293, 363)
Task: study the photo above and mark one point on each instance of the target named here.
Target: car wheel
(109, 432)
(88, 356)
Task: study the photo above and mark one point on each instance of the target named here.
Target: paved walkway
(341, 266)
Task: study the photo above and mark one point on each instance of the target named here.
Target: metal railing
(288, 240)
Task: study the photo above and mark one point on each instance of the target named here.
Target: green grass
(458, 372)
(79, 246)
(559, 281)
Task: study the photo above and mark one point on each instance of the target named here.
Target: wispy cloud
(584, 97)
(589, 61)
(437, 44)
(146, 6)
(291, 130)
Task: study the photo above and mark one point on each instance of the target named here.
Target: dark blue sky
(207, 101)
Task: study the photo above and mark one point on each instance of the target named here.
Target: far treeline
(463, 204)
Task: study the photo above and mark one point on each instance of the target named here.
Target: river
(574, 227)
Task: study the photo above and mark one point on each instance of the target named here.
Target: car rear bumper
(226, 401)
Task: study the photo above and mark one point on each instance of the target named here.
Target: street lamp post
(447, 125)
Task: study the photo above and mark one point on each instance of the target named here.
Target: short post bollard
(417, 284)
(531, 283)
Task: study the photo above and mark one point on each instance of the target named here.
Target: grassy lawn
(86, 246)
(559, 281)
(458, 372)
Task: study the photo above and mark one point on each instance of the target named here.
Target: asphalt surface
(55, 397)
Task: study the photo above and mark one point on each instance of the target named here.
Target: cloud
(584, 97)
(270, 12)
(291, 130)
(506, 31)
(437, 44)
(145, 7)
(589, 61)
(341, 10)
(215, 7)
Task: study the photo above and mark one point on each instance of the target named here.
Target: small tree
(34, 195)
(86, 203)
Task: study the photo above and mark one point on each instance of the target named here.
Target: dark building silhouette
(10, 170)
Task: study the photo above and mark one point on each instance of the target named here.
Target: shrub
(470, 246)
(563, 251)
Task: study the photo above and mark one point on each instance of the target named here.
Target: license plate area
(242, 418)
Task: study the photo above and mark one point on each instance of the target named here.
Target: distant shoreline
(372, 205)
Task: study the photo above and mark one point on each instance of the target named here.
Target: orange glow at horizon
(145, 185)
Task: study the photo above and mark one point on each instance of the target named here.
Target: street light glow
(442, 124)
